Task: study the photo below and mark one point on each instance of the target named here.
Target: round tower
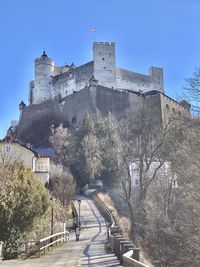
(42, 91)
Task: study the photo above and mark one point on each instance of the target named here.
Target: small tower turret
(42, 91)
(157, 74)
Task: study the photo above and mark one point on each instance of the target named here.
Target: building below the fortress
(64, 94)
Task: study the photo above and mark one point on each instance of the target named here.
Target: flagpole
(93, 31)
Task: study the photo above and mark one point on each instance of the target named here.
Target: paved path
(89, 251)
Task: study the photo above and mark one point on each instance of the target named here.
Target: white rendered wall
(42, 90)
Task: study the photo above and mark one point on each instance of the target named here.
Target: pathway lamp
(52, 217)
(1, 251)
(79, 213)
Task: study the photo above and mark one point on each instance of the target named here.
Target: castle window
(179, 113)
(104, 68)
(103, 58)
(109, 54)
(167, 107)
(173, 109)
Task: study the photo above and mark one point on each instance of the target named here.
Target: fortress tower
(41, 87)
(157, 74)
(52, 82)
(104, 63)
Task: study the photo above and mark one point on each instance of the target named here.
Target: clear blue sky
(163, 33)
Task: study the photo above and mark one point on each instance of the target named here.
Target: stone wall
(35, 120)
(126, 79)
(83, 74)
(128, 261)
(111, 100)
(171, 108)
(72, 80)
(75, 106)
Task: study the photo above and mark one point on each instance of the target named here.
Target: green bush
(23, 199)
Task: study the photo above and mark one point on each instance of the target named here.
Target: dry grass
(105, 198)
(123, 222)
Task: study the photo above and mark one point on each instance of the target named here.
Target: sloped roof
(10, 141)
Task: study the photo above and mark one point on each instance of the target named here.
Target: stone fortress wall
(51, 81)
(73, 80)
(36, 120)
(64, 94)
(126, 79)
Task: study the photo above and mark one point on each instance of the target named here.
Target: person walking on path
(77, 231)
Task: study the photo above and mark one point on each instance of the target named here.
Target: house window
(7, 148)
(174, 183)
(40, 166)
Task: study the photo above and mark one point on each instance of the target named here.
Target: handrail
(115, 237)
(35, 246)
(54, 235)
(105, 208)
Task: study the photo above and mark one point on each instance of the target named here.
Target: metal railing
(105, 212)
(29, 247)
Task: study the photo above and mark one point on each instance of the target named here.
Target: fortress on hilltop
(51, 81)
(64, 94)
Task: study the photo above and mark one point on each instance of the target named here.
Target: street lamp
(52, 216)
(79, 213)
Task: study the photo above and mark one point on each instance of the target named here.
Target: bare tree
(192, 90)
(61, 140)
(62, 186)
